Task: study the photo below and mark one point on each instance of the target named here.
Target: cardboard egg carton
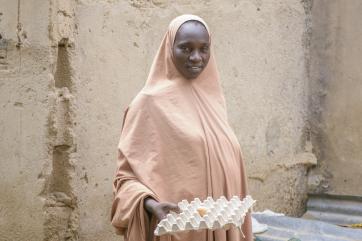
(209, 214)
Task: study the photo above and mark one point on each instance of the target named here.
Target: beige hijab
(176, 144)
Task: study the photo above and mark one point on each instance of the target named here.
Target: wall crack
(61, 203)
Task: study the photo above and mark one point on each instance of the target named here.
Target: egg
(202, 211)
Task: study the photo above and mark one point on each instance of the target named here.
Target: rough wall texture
(72, 66)
(37, 143)
(24, 79)
(336, 97)
(261, 53)
(61, 180)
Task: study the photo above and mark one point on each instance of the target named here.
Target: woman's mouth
(195, 68)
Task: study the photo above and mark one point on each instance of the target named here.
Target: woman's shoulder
(140, 100)
(152, 95)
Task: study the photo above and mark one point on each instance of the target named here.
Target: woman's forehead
(192, 30)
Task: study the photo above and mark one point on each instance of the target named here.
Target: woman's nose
(195, 56)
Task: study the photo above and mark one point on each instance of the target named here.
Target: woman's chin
(193, 74)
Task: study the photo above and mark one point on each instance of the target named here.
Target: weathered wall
(336, 96)
(83, 63)
(261, 53)
(24, 79)
(38, 171)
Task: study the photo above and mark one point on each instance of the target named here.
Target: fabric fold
(127, 208)
(176, 144)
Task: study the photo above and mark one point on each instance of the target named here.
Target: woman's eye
(185, 49)
(205, 49)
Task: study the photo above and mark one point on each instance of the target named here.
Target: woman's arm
(128, 191)
(159, 210)
(129, 195)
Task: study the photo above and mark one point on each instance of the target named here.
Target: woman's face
(191, 49)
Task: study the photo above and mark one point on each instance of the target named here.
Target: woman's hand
(159, 210)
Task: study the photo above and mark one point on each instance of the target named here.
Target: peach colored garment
(176, 144)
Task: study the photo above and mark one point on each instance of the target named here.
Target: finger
(160, 217)
(163, 215)
(173, 207)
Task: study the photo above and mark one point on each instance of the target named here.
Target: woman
(176, 142)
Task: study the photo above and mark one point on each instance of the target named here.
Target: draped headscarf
(176, 144)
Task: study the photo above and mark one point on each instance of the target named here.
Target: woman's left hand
(158, 209)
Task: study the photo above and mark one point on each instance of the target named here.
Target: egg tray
(219, 214)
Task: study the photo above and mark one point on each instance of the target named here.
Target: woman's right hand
(159, 210)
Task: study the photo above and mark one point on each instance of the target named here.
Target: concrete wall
(336, 96)
(37, 144)
(24, 79)
(261, 53)
(84, 60)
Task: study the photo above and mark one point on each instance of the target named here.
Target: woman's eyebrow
(189, 42)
